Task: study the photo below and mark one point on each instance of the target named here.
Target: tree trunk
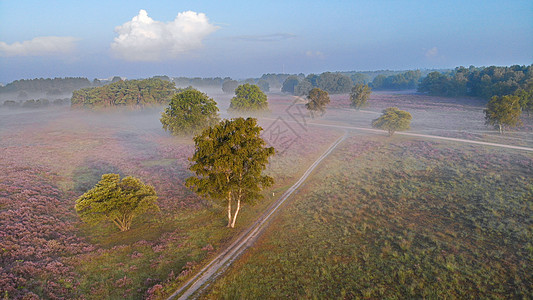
(229, 209)
(236, 213)
(500, 128)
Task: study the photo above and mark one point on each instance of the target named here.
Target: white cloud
(39, 46)
(433, 52)
(144, 39)
(315, 54)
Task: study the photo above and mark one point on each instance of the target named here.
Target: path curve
(246, 239)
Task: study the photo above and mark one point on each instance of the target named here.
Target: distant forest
(146, 92)
(483, 82)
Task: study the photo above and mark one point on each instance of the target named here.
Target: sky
(242, 39)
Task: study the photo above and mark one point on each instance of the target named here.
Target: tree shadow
(87, 175)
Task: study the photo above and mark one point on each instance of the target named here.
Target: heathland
(381, 217)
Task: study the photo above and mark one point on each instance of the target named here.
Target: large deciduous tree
(119, 201)
(503, 111)
(189, 112)
(392, 120)
(228, 162)
(317, 101)
(248, 98)
(359, 95)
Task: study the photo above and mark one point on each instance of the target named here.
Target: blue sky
(99, 39)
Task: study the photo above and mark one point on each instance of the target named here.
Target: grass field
(50, 157)
(381, 217)
(398, 218)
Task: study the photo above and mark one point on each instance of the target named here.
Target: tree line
(146, 92)
(482, 82)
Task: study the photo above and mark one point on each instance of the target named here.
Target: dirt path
(426, 136)
(207, 274)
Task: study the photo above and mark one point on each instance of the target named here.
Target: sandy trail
(246, 239)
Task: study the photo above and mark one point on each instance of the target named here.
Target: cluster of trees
(32, 103)
(145, 92)
(402, 81)
(197, 82)
(484, 82)
(333, 83)
(48, 86)
(338, 83)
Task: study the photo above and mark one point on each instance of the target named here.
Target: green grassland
(398, 218)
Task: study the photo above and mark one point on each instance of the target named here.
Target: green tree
(503, 111)
(189, 112)
(393, 120)
(289, 84)
(229, 86)
(317, 101)
(334, 83)
(119, 201)
(248, 97)
(526, 97)
(228, 161)
(359, 95)
(359, 78)
(303, 88)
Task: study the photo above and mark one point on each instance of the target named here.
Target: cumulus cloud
(39, 46)
(433, 52)
(314, 54)
(144, 39)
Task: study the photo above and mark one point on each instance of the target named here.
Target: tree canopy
(392, 120)
(289, 84)
(188, 112)
(503, 111)
(229, 86)
(526, 97)
(477, 82)
(228, 162)
(317, 101)
(359, 95)
(248, 98)
(402, 81)
(119, 201)
(130, 93)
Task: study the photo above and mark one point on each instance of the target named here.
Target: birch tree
(228, 162)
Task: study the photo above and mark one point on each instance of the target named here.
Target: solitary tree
(317, 101)
(228, 161)
(359, 95)
(248, 97)
(116, 200)
(503, 111)
(393, 120)
(189, 112)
